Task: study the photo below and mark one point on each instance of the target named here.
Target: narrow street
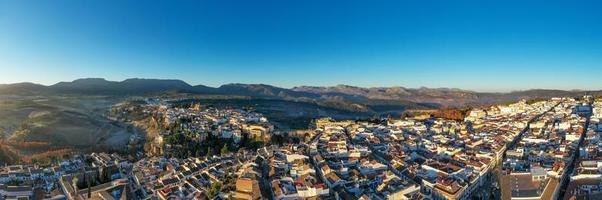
(496, 175)
(569, 170)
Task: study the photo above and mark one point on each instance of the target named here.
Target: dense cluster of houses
(193, 178)
(64, 180)
(350, 168)
(538, 166)
(531, 149)
(224, 123)
(292, 176)
(586, 179)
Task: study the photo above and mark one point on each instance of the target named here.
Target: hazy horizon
(306, 85)
(479, 46)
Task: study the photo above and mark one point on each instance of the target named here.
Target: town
(545, 149)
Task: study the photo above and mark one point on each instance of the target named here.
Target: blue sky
(476, 45)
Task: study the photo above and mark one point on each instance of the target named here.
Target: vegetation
(452, 113)
(7, 156)
(14, 182)
(215, 189)
(286, 115)
(283, 139)
(535, 100)
(38, 127)
(46, 157)
(446, 113)
(224, 150)
(187, 144)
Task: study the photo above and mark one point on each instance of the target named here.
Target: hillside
(441, 96)
(35, 126)
(350, 98)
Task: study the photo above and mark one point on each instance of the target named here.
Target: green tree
(209, 151)
(216, 187)
(224, 150)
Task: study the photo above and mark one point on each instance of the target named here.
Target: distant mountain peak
(151, 79)
(335, 95)
(89, 79)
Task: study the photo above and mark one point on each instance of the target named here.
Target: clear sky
(478, 45)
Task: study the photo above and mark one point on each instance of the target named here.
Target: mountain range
(344, 96)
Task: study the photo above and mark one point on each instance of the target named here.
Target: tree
(209, 151)
(14, 182)
(245, 141)
(54, 159)
(216, 187)
(224, 150)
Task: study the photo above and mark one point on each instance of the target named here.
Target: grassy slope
(64, 122)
